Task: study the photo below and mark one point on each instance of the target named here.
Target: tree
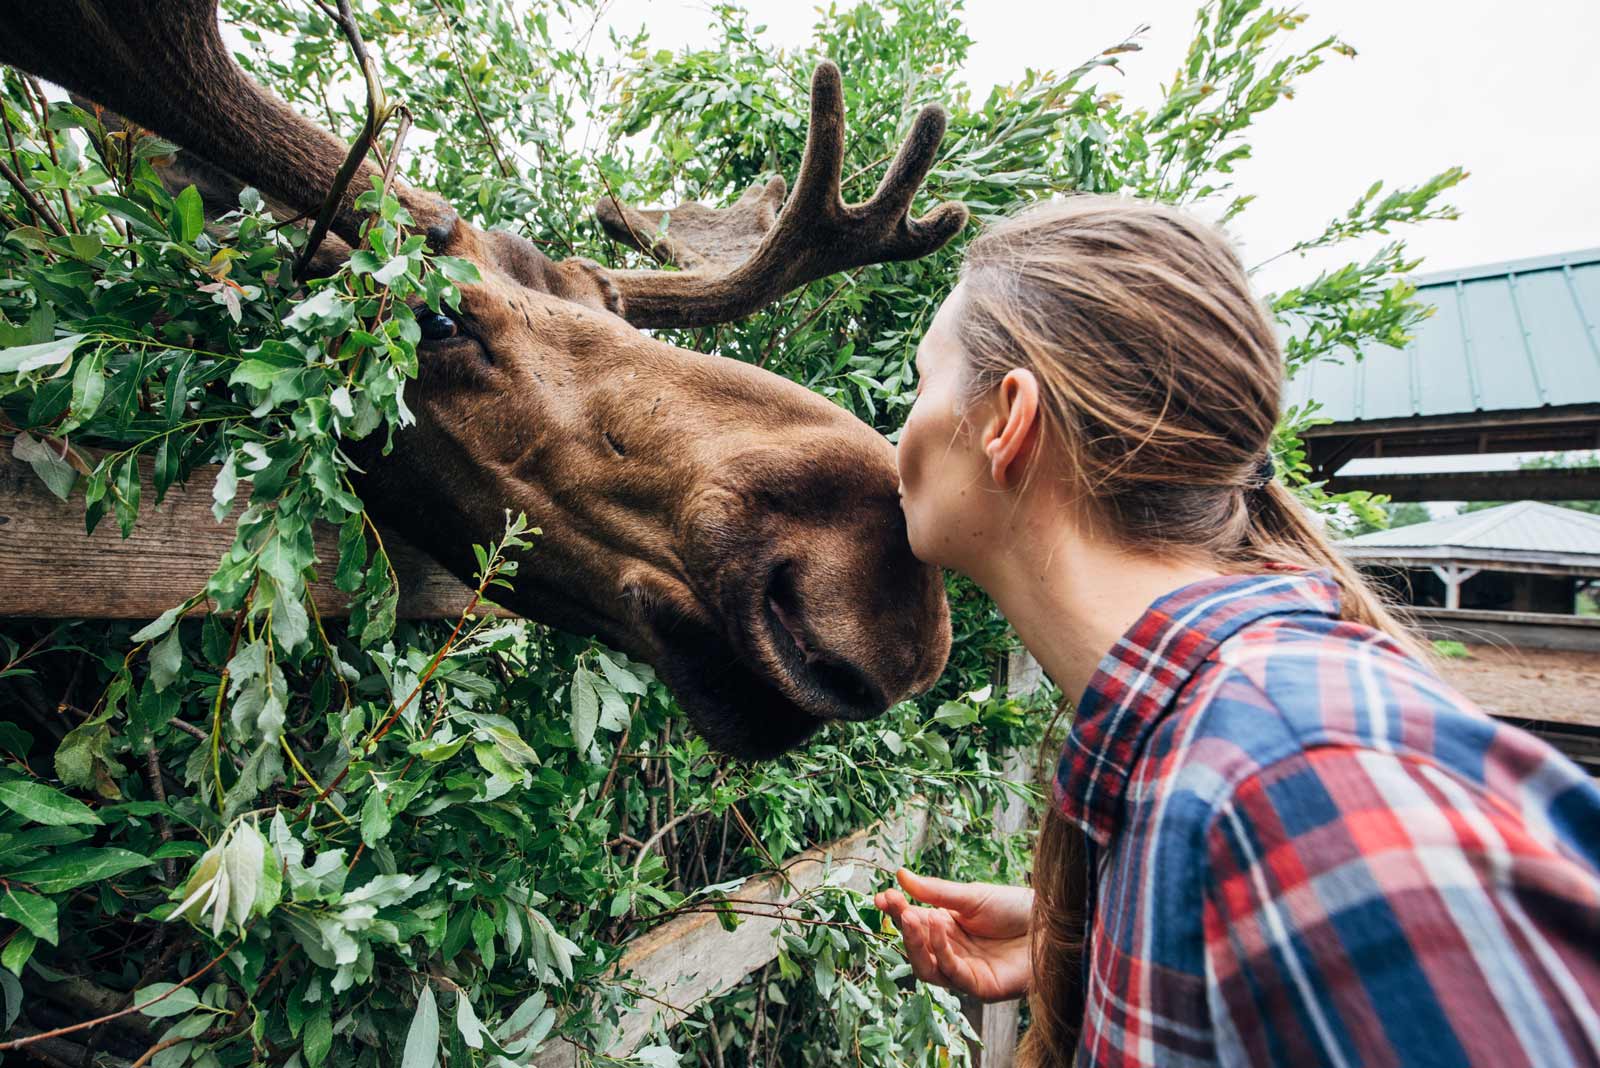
(1395, 514)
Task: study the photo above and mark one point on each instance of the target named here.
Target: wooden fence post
(997, 1023)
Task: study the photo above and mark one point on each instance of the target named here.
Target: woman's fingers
(892, 902)
(915, 931)
(943, 892)
(948, 963)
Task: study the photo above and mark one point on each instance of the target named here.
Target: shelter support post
(1453, 576)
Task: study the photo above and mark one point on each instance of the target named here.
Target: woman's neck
(1070, 597)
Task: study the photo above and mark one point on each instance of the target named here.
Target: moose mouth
(766, 691)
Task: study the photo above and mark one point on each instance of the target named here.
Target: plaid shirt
(1310, 851)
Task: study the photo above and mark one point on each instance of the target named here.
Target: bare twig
(152, 770)
(378, 112)
(616, 758)
(661, 831)
(19, 1043)
(35, 205)
(472, 97)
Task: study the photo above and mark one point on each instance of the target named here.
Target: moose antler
(739, 258)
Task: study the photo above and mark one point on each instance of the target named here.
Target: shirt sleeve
(1367, 908)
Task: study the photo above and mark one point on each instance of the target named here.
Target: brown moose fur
(730, 527)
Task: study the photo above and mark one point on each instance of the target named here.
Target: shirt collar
(1139, 680)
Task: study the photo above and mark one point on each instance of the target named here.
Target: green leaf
(318, 1037)
(955, 714)
(422, 1040)
(166, 660)
(160, 625)
(123, 208)
(242, 862)
(85, 246)
(585, 714)
(74, 867)
(125, 498)
(257, 373)
(18, 950)
(44, 804)
(189, 214)
(459, 271)
(291, 624)
(224, 488)
(36, 913)
(83, 759)
(88, 390)
(483, 931)
(23, 358)
(624, 681)
(175, 1000)
(375, 818)
(51, 467)
(352, 554)
(467, 1022)
(13, 998)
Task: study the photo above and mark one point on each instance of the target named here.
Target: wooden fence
(51, 569)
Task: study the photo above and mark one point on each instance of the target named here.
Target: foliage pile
(333, 832)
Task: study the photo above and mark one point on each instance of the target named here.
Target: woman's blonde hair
(1160, 378)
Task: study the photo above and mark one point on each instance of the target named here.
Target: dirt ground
(1546, 684)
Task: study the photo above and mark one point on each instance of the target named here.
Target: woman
(1277, 837)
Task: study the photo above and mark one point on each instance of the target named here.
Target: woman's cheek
(908, 454)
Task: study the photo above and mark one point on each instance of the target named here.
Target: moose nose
(836, 687)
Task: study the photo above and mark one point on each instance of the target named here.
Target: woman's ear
(1013, 428)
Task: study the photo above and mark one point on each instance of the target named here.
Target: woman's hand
(974, 938)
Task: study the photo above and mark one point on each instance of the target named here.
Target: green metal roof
(1506, 336)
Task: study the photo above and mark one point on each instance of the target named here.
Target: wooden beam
(1546, 484)
(1584, 415)
(53, 570)
(1517, 562)
(1564, 428)
(689, 959)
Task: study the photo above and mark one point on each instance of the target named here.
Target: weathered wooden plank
(689, 959)
(50, 568)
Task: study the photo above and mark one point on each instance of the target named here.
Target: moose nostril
(847, 685)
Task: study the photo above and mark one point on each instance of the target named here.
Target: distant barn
(1500, 565)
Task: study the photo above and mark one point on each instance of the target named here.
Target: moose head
(730, 527)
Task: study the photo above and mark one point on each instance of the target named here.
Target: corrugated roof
(1521, 527)
(1520, 334)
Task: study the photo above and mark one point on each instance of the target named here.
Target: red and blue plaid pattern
(1308, 850)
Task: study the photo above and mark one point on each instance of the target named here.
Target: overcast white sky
(1508, 90)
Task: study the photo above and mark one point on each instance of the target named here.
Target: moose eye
(436, 327)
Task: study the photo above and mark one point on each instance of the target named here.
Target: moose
(735, 530)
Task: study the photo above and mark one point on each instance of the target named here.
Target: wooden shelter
(1508, 570)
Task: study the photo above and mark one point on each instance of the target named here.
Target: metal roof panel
(1506, 336)
(1522, 526)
